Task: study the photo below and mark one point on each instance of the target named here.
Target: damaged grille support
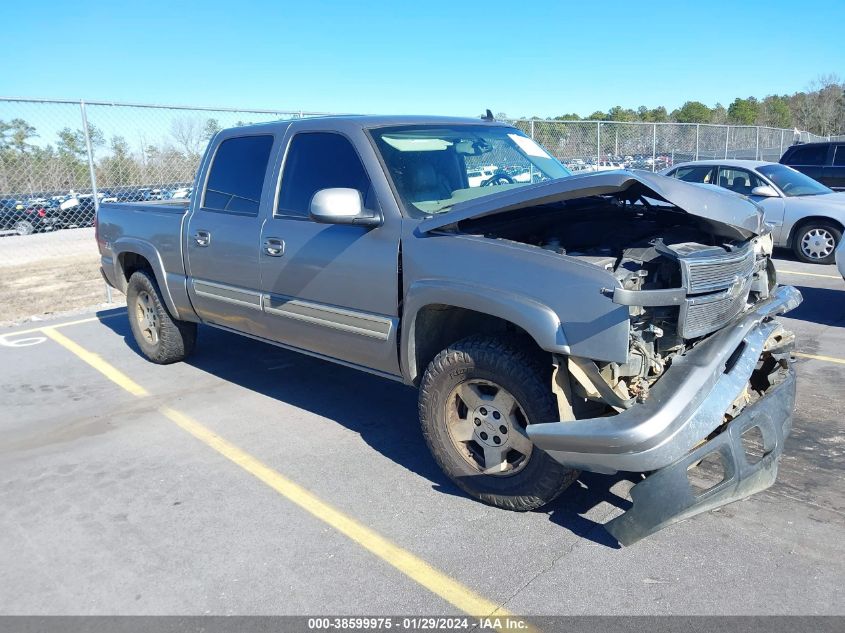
(715, 291)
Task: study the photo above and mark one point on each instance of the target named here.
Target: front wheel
(161, 338)
(816, 241)
(476, 399)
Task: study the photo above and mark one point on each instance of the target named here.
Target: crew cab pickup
(823, 161)
(616, 321)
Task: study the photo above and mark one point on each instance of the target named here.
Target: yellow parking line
(795, 272)
(826, 359)
(115, 375)
(412, 566)
(58, 325)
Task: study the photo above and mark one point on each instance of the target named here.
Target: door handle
(202, 238)
(274, 247)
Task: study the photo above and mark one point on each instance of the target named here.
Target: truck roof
(360, 121)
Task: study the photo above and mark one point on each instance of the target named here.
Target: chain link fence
(59, 159)
(601, 145)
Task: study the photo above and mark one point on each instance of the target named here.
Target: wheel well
(815, 218)
(133, 262)
(437, 326)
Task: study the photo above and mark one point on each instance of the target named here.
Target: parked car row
(44, 212)
(611, 162)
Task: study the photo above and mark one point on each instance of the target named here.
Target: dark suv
(823, 161)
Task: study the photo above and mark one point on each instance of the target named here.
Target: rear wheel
(476, 400)
(162, 338)
(816, 241)
(22, 227)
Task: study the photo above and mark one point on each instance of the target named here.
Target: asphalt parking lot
(252, 480)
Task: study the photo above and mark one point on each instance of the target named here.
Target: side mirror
(340, 205)
(764, 191)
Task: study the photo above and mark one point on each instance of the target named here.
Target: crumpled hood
(706, 201)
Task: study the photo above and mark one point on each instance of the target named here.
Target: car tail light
(41, 213)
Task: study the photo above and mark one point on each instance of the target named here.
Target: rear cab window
(839, 156)
(807, 155)
(236, 177)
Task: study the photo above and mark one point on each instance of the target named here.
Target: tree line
(28, 167)
(820, 109)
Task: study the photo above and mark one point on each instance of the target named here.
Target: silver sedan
(806, 216)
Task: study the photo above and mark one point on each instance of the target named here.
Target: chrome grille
(706, 274)
(702, 315)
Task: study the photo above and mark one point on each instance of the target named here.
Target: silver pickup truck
(617, 321)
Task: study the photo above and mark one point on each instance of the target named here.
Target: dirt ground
(50, 274)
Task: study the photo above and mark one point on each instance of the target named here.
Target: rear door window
(236, 177)
(807, 155)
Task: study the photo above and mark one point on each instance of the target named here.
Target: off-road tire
(806, 227)
(503, 362)
(176, 339)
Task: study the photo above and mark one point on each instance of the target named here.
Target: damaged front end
(707, 366)
(736, 383)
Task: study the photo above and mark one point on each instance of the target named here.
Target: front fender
(557, 299)
(797, 210)
(540, 321)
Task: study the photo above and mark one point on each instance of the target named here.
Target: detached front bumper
(666, 496)
(666, 434)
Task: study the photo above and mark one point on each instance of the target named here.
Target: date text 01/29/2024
(418, 623)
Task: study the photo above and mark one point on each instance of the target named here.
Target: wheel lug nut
(483, 435)
(482, 411)
(503, 430)
(477, 422)
(496, 415)
(497, 439)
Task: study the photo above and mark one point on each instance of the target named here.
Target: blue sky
(540, 58)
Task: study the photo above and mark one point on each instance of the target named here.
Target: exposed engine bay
(681, 276)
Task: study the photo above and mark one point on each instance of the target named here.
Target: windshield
(435, 167)
(792, 182)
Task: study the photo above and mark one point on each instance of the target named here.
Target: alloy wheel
(147, 318)
(487, 427)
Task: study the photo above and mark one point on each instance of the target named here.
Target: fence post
(757, 145)
(598, 144)
(654, 147)
(697, 133)
(532, 129)
(90, 151)
(781, 141)
(727, 138)
(93, 174)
